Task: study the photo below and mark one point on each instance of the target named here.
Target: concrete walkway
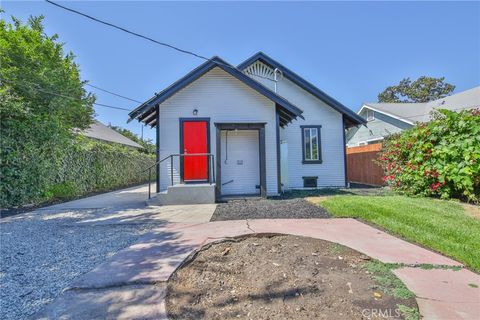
(127, 198)
(128, 206)
(132, 284)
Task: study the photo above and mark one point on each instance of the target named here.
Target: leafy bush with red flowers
(440, 158)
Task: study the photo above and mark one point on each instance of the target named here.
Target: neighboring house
(99, 131)
(264, 135)
(388, 118)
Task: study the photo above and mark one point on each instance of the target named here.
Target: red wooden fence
(361, 166)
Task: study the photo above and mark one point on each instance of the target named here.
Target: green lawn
(440, 225)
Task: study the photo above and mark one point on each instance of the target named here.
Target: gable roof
(352, 117)
(101, 132)
(420, 112)
(146, 111)
(399, 111)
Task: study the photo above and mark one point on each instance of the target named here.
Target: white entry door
(240, 162)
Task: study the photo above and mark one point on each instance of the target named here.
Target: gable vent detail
(259, 69)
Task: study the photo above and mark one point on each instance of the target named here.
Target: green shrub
(439, 158)
(76, 167)
(97, 166)
(62, 190)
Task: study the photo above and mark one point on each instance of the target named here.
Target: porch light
(195, 112)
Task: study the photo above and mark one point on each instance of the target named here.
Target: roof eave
(292, 76)
(172, 88)
(366, 105)
(200, 71)
(266, 91)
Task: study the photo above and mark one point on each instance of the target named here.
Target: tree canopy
(42, 100)
(424, 89)
(35, 69)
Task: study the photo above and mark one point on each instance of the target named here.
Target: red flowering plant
(439, 158)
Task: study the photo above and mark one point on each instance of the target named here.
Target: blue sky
(351, 50)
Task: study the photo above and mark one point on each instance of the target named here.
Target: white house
(384, 119)
(255, 129)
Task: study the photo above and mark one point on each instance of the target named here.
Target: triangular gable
(146, 111)
(389, 114)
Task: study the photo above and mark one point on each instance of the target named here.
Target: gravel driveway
(268, 209)
(43, 251)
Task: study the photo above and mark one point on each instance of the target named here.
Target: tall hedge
(440, 158)
(79, 167)
(91, 166)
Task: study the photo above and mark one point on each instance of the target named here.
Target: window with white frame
(311, 144)
(370, 115)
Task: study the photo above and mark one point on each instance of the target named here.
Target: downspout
(345, 151)
(278, 75)
(158, 146)
(279, 168)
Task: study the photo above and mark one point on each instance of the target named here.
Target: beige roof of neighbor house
(102, 132)
(420, 112)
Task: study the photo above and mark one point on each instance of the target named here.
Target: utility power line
(165, 45)
(37, 87)
(147, 38)
(127, 31)
(112, 93)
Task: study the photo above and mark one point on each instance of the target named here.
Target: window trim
(319, 141)
(372, 117)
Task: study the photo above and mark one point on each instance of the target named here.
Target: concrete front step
(184, 194)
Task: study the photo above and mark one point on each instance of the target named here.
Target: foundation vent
(310, 182)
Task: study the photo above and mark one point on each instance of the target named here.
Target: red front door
(195, 140)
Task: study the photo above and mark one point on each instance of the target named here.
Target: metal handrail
(211, 164)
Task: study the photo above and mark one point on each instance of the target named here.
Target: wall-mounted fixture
(195, 112)
(277, 75)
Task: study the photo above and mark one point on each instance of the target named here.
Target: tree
(424, 89)
(148, 145)
(35, 69)
(42, 100)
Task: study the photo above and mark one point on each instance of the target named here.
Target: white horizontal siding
(222, 98)
(382, 126)
(331, 172)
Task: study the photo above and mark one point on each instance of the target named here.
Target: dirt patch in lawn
(472, 210)
(268, 209)
(284, 277)
(317, 200)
